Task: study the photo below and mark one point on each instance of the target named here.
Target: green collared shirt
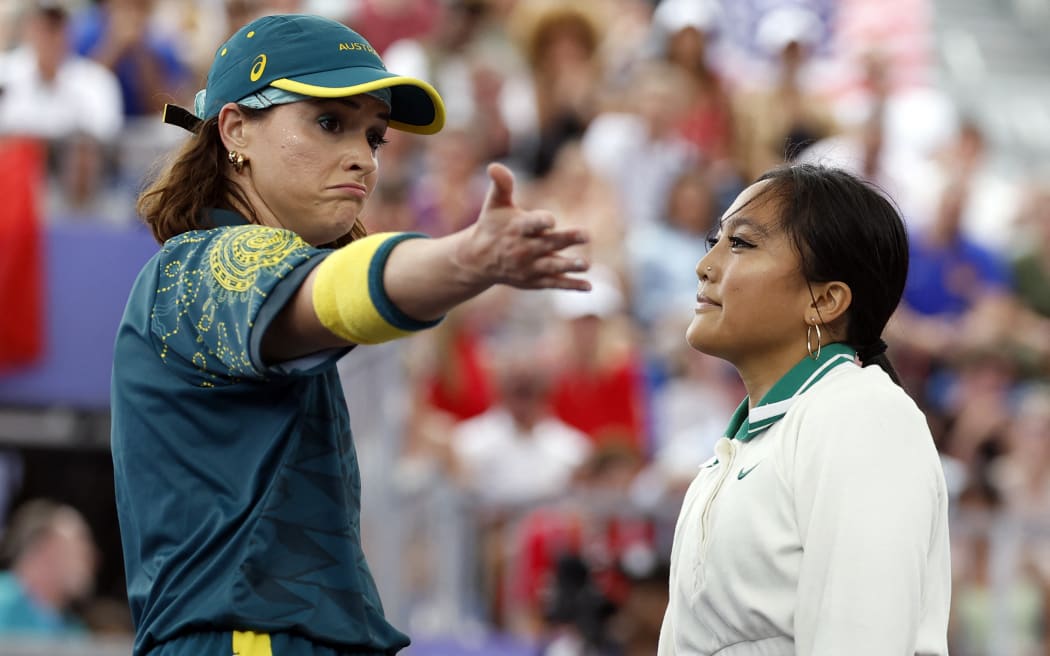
(747, 424)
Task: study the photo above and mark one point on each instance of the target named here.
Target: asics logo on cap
(258, 66)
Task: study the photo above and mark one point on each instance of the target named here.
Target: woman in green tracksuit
(238, 489)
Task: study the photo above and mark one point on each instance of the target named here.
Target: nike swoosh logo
(745, 472)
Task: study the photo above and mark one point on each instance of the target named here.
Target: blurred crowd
(568, 425)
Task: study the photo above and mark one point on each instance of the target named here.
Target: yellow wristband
(350, 299)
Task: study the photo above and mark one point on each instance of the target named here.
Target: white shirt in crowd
(84, 98)
(507, 466)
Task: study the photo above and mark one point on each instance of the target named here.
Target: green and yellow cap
(311, 57)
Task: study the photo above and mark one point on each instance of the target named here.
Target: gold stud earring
(237, 159)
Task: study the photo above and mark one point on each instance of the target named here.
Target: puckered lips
(351, 189)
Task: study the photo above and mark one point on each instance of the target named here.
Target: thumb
(501, 191)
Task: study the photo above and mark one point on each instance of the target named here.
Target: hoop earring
(237, 159)
(809, 341)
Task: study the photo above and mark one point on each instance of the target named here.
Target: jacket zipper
(726, 452)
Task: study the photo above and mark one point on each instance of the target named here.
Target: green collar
(746, 424)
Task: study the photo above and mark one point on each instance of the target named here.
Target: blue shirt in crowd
(21, 615)
(947, 280)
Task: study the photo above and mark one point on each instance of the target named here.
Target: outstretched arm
(425, 278)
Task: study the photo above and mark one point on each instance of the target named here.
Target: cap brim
(415, 106)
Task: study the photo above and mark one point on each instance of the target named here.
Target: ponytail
(875, 353)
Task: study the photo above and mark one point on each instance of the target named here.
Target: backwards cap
(315, 57)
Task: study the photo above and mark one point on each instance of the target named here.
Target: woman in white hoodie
(819, 527)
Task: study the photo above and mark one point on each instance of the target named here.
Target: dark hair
(844, 228)
(195, 180)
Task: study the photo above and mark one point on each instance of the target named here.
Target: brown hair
(194, 180)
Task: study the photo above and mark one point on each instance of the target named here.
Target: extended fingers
(553, 271)
(557, 265)
(535, 223)
(555, 240)
(560, 282)
(538, 227)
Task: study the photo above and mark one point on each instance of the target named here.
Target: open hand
(517, 247)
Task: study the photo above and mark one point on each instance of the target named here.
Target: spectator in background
(950, 273)
(387, 21)
(626, 40)
(118, 35)
(685, 29)
(1031, 268)
(579, 614)
(690, 409)
(972, 398)
(1001, 588)
(240, 12)
(594, 530)
(51, 555)
(1022, 473)
(452, 370)
(888, 131)
(451, 189)
(662, 254)
(489, 121)
(389, 209)
(987, 203)
(447, 55)
(641, 613)
(513, 457)
(958, 292)
(599, 383)
(12, 468)
(584, 199)
(1022, 477)
(561, 44)
(861, 147)
(636, 146)
(51, 93)
(774, 125)
(404, 159)
(68, 101)
(518, 453)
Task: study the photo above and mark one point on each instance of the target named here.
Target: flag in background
(21, 267)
